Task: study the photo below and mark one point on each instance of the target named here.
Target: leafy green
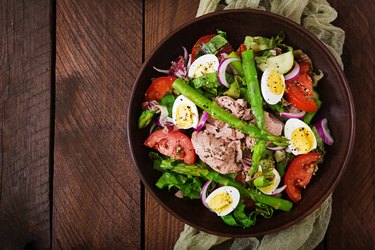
(239, 216)
(234, 89)
(258, 43)
(190, 187)
(168, 101)
(319, 140)
(208, 82)
(310, 115)
(214, 45)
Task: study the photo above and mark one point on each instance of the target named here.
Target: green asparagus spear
(219, 113)
(195, 170)
(254, 96)
(256, 102)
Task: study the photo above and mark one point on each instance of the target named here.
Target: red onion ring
(203, 194)
(275, 148)
(164, 71)
(202, 121)
(185, 53)
(278, 190)
(222, 69)
(324, 132)
(188, 64)
(294, 73)
(293, 115)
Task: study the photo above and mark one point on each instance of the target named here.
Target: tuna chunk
(222, 156)
(237, 107)
(273, 125)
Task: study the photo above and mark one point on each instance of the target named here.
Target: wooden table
(66, 177)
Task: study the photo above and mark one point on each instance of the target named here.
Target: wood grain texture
(353, 217)
(161, 17)
(96, 196)
(25, 92)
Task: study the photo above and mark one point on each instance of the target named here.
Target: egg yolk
(303, 140)
(184, 116)
(275, 83)
(203, 69)
(269, 188)
(220, 202)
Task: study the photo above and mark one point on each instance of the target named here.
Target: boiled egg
(301, 138)
(184, 113)
(272, 86)
(274, 184)
(223, 200)
(202, 65)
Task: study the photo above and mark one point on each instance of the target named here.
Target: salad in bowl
(233, 126)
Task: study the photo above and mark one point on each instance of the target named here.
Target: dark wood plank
(353, 217)
(25, 92)
(96, 188)
(161, 18)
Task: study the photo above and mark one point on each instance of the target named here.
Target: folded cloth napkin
(316, 16)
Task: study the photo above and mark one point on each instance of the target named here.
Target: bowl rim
(337, 68)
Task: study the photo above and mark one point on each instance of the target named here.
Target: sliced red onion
(202, 121)
(153, 126)
(188, 63)
(275, 148)
(164, 71)
(324, 132)
(164, 119)
(150, 105)
(203, 194)
(294, 73)
(278, 190)
(179, 194)
(185, 53)
(293, 115)
(222, 69)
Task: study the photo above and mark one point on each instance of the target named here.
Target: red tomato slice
(304, 67)
(197, 46)
(174, 144)
(241, 49)
(299, 92)
(299, 173)
(159, 87)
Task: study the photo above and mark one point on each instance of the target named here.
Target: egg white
(193, 112)
(268, 95)
(275, 183)
(204, 64)
(233, 193)
(290, 126)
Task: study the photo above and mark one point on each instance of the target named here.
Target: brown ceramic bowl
(333, 89)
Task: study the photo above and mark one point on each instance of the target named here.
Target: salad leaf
(234, 89)
(258, 43)
(214, 45)
(168, 101)
(239, 217)
(208, 82)
(310, 115)
(190, 187)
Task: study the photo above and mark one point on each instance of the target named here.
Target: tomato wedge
(159, 87)
(299, 173)
(299, 92)
(241, 49)
(197, 46)
(174, 144)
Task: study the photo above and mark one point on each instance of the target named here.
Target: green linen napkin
(316, 16)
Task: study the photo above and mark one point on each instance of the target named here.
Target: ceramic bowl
(333, 89)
